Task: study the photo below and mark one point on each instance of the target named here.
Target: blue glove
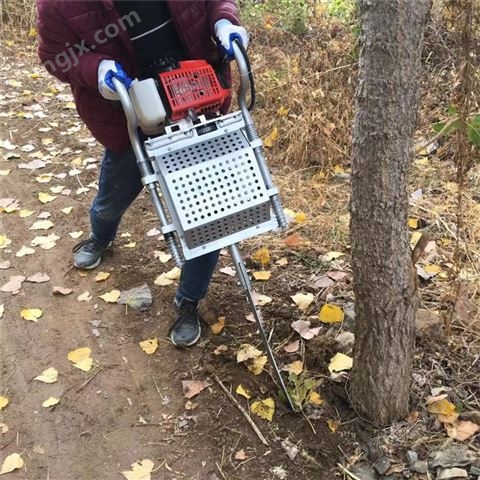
(108, 69)
(226, 33)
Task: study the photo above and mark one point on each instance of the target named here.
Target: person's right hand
(107, 69)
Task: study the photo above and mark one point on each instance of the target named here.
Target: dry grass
(17, 17)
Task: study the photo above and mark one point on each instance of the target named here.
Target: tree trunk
(384, 279)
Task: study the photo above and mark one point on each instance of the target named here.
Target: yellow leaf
(247, 352)
(11, 463)
(303, 300)
(4, 241)
(295, 367)
(81, 358)
(333, 425)
(256, 366)
(130, 245)
(263, 275)
(44, 178)
(32, 314)
(413, 223)
(33, 32)
(218, 327)
(315, 399)
(330, 314)
(173, 274)
(67, 210)
(25, 251)
(415, 238)
(268, 142)
(261, 299)
(264, 408)
(23, 213)
(141, 470)
(282, 111)
(340, 362)
(442, 406)
(328, 257)
(42, 225)
(100, 276)
(50, 375)
(4, 173)
(84, 297)
(111, 297)
(50, 402)
(300, 217)
(46, 242)
(70, 105)
(432, 269)
(46, 197)
(240, 390)
(262, 255)
(149, 346)
(4, 401)
(162, 280)
(76, 234)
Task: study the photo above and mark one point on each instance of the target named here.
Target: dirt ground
(130, 406)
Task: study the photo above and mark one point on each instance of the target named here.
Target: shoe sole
(89, 267)
(193, 342)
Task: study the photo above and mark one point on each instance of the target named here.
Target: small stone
(454, 456)
(364, 471)
(382, 465)
(412, 456)
(451, 473)
(420, 466)
(475, 471)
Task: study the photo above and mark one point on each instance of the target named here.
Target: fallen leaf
(61, 291)
(31, 314)
(130, 245)
(162, 256)
(264, 408)
(328, 257)
(149, 346)
(292, 347)
(13, 285)
(76, 234)
(2, 309)
(282, 261)
(46, 242)
(4, 241)
(24, 213)
(240, 455)
(461, 429)
(256, 366)
(38, 277)
(244, 392)
(3, 402)
(141, 470)
(302, 327)
(12, 462)
(25, 251)
(330, 314)
(443, 407)
(66, 210)
(50, 402)
(81, 358)
(340, 362)
(191, 388)
(231, 272)
(190, 405)
(247, 352)
(218, 327)
(174, 274)
(50, 375)
(45, 197)
(5, 265)
(85, 296)
(333, 425)
(220, 349)
(261, 299)
(262, 275)
(295, 367)
(271, 137)
(292, 240)
(111, 297)
(100, 276)
(162, 280)
(3, 428)
(262, 255)
(42, 225)
(303, 300)
(315, 398)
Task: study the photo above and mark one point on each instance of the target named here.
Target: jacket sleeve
(217, 10)
(57, 41)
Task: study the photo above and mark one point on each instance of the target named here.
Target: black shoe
(186, 329)
(88, 254)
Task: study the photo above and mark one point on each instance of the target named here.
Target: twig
(350, 474)
(89, 379)
(243, 411)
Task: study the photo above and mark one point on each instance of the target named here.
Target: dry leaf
(84, 297)
(12, 462)
(328, 257)
(292, 347)
(100, 276)
(149, 346)
(262, 275)
(25, 251)
(442, 406)
(262, 255)
(81, 358)
(461, 429)
(247, 352)
(2, 309)
(42, 225)
(295, 367)
(193, 387)
(111, 297)
(218, 327)
(61, 290)
(14, 285)
(46, 242)
(340, 362)
(302, 327)
(38, 277)
(3, 402)
(256, 366)
(220, 349)
(315, 399)
(141, 470)
(45, 197)
(174, 274)
(261, 299)
(333, 425)
(162, 280)
(330, 314)
(31, 314)
(244, 392)
(264, 408)
(240, 455)
(303, 300)
(4, 241)
(50, 402)
(231, 272)
(292, 240)
(282, 261)
(3, 428)
(50, 375)
(76, 234)
(271, 137)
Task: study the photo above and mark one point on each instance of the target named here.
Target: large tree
(384, 278)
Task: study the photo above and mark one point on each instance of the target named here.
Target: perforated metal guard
(214, 190)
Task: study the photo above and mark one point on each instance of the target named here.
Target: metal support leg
(245, 282)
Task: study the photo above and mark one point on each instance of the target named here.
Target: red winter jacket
(73, 41)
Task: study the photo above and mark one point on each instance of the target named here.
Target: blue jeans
(118, 186)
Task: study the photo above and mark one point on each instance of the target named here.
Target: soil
(130, 406)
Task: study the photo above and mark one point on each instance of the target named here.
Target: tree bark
(384, 279)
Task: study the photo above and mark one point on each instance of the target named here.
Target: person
(86, 43)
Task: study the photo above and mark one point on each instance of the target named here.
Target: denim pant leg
(119, 184)
(196, 276)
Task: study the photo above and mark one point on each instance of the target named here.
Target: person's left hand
(226, 32)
